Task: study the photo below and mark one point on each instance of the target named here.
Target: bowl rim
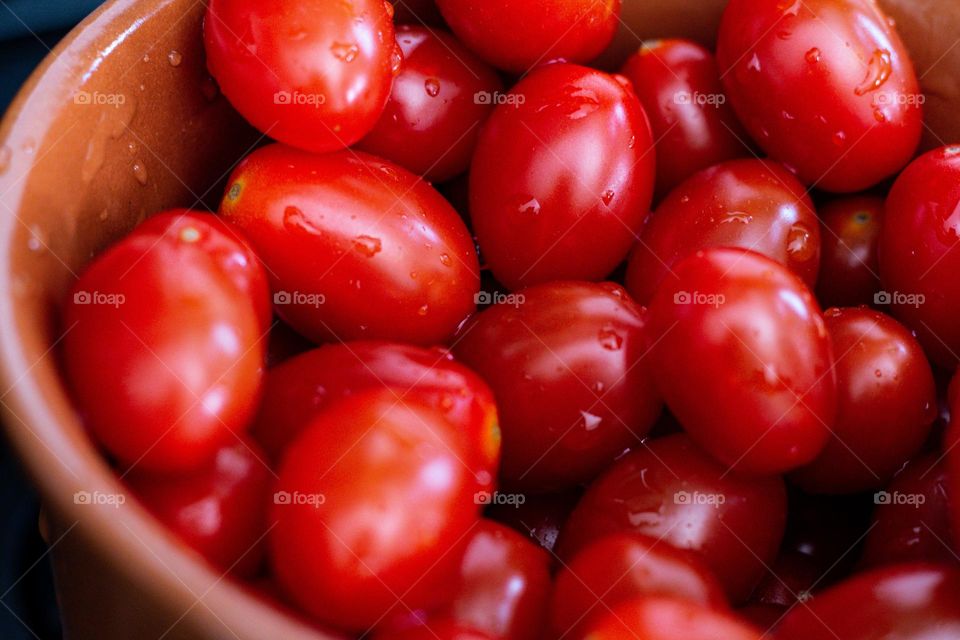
(166, 570)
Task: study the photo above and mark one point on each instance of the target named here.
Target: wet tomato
(849, 239)
(562, 177)
(824, 86)
(355, 247)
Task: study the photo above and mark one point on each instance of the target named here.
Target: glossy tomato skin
(305, 385)
(918, 260)
(566, 364)
(678, 83)
(562, 177)
(671, 490)
(913, 524)
(825, 86)
(309, 73)
(502, 588)
(668, 619)
(356, 247)
(438, 103)
(219, 510)
(887, 401)
(744, 361)
(623, 567)
(907, 601)
(849, 261)
(226, 244)
(515, 35)
(165, 345)
(366, 462)
(752, 204)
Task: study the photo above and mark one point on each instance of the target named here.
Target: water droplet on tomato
(800, 245)
(432, 87)
(839, 138)
(367, 245)
(345, 51)
(879, 69)
(590, 421)
(424, 310)
(739, 217)
(607, 196)
(610, 339)
(445, 260)
(813, 56)
(754, 63)
(396, 60)
(530, 206)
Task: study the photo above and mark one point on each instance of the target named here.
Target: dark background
(28, 30)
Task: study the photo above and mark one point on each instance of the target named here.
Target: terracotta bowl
(122, 121)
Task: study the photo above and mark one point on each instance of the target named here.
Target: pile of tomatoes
(574, 377)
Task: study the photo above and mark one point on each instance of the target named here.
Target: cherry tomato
(672, 491)
(623, 567)
(502, 588)
(849, 265)
(311, 73)
(678, 83)
(355, 247)
(825, 86)
(517, 35)
(219, 510)
(743, 360)
(562, 176)
(907, 602)
(887, 401)
(371, 496)
(540, 517)
(912, 519)
(669, 619)
(918, 257)
(438, 102)
(164, 349)
(565, 362)
(752, 204)
(303, 386)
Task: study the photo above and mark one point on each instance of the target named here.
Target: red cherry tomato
(438, 102)
(669, 619)
(164, 349)
(825, 86)
(565, 361)
(219, 510)
(301, 387)
(752, 204)
(539, 517)
(743, 360)
(907, 602)
(918, 258)
(562, 177)
(311, 73)
(355, 247)
(849, 265)
(678, 83)
(912, 519)
(672, 491)
(887, 401)
(502, 588)
(517, 35)
(623, 567)
(371, 495)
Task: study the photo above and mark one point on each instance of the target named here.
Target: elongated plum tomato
(517, 35)
(439, 100)
(824, 86)
(164, 349)
(566, 365)
(355, 247)
(672, 491)
(370, 496)
(669, 619)
(219, 510)
(887, 401)
(623, 567)
(744, 361)
(303, 386)
(752, 204)
(314, 74)
(919, 260)
(678, 83)
(906, 601)
(849, 262)
(562, 178)
(502, 588)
